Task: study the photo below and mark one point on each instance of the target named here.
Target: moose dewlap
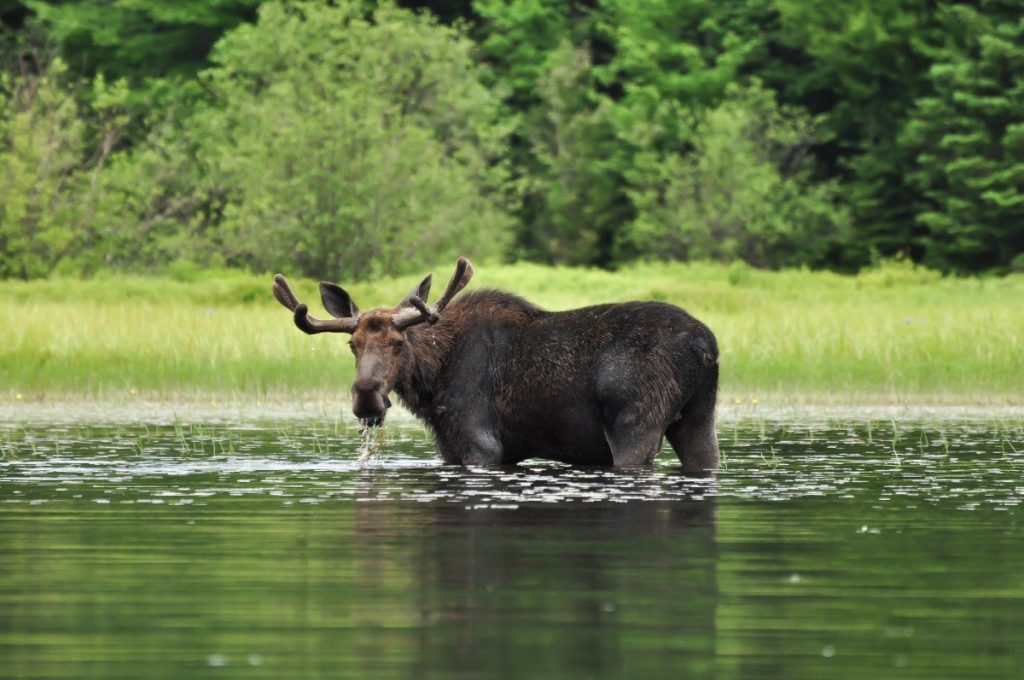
(498, 379)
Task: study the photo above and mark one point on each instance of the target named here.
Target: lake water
(146, 544)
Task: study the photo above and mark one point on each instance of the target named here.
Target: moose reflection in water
(500, 380)
(598, 582)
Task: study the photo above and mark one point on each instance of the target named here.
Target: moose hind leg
(693, 436)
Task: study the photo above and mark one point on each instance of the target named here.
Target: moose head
(378, 336)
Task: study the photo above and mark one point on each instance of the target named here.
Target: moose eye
(399, 344)
(352, 346)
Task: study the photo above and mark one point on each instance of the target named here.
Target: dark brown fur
(499, 380)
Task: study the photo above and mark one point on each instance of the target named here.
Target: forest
(362, 139)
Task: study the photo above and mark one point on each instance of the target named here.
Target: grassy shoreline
(892, 335)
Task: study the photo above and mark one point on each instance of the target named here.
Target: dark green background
(890, 129)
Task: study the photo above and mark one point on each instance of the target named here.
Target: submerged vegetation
(894, 333)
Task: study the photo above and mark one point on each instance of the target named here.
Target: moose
(499, 380)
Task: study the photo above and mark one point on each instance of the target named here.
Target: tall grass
(892, 334)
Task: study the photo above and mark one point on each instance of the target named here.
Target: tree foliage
(52, 161)
(139, 39)
(367, 137)
(968, 136)
(743, 191)
(356, 145)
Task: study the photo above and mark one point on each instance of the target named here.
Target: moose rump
(500, 380)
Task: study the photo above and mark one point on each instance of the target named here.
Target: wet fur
(500, 380)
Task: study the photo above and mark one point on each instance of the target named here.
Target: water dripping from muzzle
(373, 437)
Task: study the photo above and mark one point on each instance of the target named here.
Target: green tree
(157, 46)
(347, 145)
(969, 142)
(52, 159)
(154, 205)
(744, 192)
(597, 91)
(670, 61)
(571, 190)
(861, 64)
(139, 39)
(538, 60)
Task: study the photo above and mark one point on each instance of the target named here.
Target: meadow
(895, 333)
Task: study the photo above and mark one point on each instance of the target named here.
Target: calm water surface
(840, 546)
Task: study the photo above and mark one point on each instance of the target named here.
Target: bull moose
(499, 380)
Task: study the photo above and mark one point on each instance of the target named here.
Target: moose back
(499, 380)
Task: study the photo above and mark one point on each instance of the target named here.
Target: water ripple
(969, 463)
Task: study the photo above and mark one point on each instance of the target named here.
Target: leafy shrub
(52, 157)
(744, 191)
(345, 144)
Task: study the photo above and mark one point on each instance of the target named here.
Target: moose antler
(420, 312)
(305, 322)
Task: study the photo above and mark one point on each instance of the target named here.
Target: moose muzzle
(370, 403)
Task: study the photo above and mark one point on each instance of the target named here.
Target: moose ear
(421, 291)
(337, 301)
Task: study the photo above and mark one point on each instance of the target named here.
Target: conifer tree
(969, 142)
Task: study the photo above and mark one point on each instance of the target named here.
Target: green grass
(893, 334)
